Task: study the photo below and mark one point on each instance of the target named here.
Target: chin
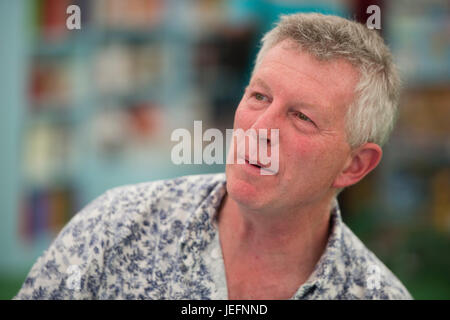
(244, 192)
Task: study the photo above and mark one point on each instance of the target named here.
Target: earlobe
(363, 160)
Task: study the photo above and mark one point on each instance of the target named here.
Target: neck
(288, 238)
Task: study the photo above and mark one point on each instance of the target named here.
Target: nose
(268, 120)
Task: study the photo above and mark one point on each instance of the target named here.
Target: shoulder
(367, 276)
(162, 198)
(189, 187)
(130, 216)
(147, 208)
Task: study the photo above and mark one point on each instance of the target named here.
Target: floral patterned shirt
(159, 240)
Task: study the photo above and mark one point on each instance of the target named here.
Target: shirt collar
(330, 268)
(202, 227)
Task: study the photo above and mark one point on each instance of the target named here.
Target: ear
(362, 161)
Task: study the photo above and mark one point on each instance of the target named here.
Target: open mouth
(254, 165)
(263, 170)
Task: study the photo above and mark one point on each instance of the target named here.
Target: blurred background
(86, 110)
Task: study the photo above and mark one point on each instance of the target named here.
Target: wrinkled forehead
(299, 75)
(288, 51)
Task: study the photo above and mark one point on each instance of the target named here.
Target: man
(330, 88)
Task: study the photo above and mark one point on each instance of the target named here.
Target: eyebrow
(261, 83)
(318, 115)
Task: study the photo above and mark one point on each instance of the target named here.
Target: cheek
(311, 157)
(298, 151)
(243, 118)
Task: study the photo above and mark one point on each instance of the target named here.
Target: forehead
(299, 75)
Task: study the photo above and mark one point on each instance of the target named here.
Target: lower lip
(251, 166)
(253, 169)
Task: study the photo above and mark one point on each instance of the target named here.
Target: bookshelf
(85, 123)
(102, 101)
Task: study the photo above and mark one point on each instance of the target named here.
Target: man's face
(306, 100)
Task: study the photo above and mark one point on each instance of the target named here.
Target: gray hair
(371, 116)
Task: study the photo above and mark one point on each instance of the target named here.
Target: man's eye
(303, 117)
(259, 96)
